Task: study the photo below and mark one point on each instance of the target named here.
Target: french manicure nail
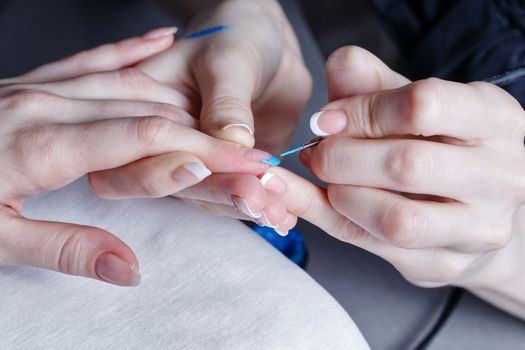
(327, 123)
(190, 173)
(265, 222)
(243, 126)
(273, 182)
(160, 32)
(116, 270)
(256, 154)
(242, 206)
(282, 233)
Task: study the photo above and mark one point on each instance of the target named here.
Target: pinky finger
(153, 177)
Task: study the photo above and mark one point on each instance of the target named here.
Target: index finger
(430, 107)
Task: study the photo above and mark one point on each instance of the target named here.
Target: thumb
(71, 249)
(227, 82)
(352, 70)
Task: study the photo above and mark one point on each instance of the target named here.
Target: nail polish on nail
(273, 161)
(266, 177)
(239, 125)
(273, 182)
(256, 154)
(190, 173)
(160, 32)
(116, 270)
(241, 205)
(327, 123)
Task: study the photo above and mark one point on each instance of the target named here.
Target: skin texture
(90, 114)
(427, 175)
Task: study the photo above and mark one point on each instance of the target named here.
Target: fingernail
(273, 183)
(116, 270)
(242, 206)
(282, 233)
(190, 173)
(263, 220)
(256, 154)
(244, 127)
(159, 32)
(328, 122)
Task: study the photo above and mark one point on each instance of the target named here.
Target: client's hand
(75, 116)
(248, 78)
(428, 175)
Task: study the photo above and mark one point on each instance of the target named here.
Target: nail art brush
(273, 160)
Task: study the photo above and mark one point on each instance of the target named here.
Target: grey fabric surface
(207, 283)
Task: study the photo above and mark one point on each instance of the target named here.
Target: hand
(251, 76)
(428, 175)
(79, 116)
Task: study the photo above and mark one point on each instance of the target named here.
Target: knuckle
(135, 80)
(402, 226)
(346, 231)
(151, 186)
(407, 164)
(152, 131)
(498, 238)
(166, 110)
(27, 100)
(448, 269)
(71, 255)
(423, 104)
(325, 158)
(228, 106)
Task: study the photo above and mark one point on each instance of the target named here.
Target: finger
(62, 153)
(71, 249)
(227, 83)
(352, 70)
(151, 177)
(107, 57)
(274, 212)
(36, 106)
(412, 166)
(310, 202)
(222, 210)
(124, 84)
(245, 192)
(289, 222)
(406, 223)
(430, 107)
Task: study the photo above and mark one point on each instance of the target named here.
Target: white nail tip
(281, 233)
(197, 169)
(314, 125)
(241, 125)
(266, 177)
(244, 208)
(264, 220)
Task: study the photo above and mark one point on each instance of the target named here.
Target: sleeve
(462, 40)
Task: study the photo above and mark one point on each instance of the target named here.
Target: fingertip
(114, 269)
(237, 132)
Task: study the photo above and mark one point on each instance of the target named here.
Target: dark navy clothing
(462, 40)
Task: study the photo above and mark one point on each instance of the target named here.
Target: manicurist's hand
(90, 114)
(247, 79)
(428, 175)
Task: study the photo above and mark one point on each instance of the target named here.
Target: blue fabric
(292, 245)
